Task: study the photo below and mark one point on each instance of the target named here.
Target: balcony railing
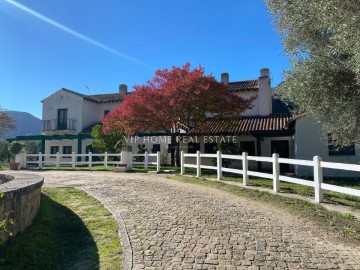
(56, 125)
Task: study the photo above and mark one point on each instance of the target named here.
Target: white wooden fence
(316, 163)
(58, 160)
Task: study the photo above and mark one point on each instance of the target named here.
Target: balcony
(56, 126)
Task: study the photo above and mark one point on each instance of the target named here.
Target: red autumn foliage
(6, 123)
(177, 95)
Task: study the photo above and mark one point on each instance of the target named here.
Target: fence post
(146, 161)
(106, 161)
(245, 165)
(73, 160)
(90, 160)
(198, 164)
(158, 161)
(40, 160)
(276, 172)
(318, 179)
(182, 163)
(219, 165)
(57, 160)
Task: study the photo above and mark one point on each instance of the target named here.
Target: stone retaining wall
(20, 201)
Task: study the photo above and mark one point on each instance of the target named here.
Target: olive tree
(322, 40)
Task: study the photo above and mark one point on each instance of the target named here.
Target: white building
(261, 131)
(68, 117)
(310, 140)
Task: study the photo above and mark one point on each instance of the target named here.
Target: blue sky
(97, 45)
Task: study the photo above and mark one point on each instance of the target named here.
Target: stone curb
(127, 261)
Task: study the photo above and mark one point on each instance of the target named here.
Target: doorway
(282, 148)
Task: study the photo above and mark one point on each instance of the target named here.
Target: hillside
(26, 124)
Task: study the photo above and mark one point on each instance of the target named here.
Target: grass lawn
(71, 231)
(345, 226)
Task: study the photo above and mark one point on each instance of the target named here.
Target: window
(62, 119)
(193, 147)
(67, 150)
(248, 146)
(210, 148)
(156, 148)
(106, 112)
(54, 150)
(336, 150)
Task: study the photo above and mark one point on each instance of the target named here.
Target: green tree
(14, 149)
(111, 142)
(4, 152)
(322, 40)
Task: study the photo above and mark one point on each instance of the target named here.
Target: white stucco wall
(248, 94)
(93, 113)
(60, 143)
(310, 141)
(265, 99)
(63, 100)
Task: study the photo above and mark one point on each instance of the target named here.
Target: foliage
(4, 152)
(32, 147)
(322, 39)
(15, 149)
(6, 123)
(141, 149)
(111, 142)
(179, 96)
(172, 96)
(229, 149)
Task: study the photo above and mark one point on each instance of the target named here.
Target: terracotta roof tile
(244, 125)
(101, 98)
(243, 85)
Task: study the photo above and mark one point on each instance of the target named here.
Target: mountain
(26, 124)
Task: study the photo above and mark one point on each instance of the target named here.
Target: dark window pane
(67, 149)
(193, 147)
(62, 119)
(248, 146)
(342, 150)
(54, 149)
(210, 148)
(156, 148)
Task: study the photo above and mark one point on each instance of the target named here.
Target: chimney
(123, 89)
(225, 78)
(265, 93)
(264, 72)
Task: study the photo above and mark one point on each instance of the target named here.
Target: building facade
(67, 120)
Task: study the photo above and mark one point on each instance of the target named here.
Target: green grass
(4, 166)
(71, 231)
(344, 226)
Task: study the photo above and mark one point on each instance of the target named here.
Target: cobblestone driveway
(172, 225)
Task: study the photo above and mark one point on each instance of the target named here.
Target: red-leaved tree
(6, 123)
(180, 95)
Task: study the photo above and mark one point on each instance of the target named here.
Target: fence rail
(72, 160)
(316, 163)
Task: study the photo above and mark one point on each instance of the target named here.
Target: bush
(15, 149)
(4, 152)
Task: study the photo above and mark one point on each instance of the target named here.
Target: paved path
(173, 225)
